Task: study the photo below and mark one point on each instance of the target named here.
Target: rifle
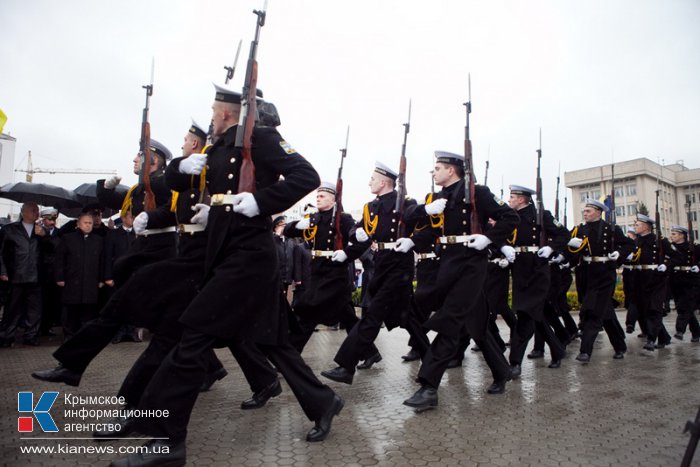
(149, 201)
(613, 214)
(565, 200)
(469, 185)
(230, 70)
(540, 203)
(339, 195)
(657, 219)
(249, 114)
(401, 179)
(486, 172)
(556, 200)
(691, 236)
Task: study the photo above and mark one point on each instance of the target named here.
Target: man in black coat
(21, 258)
(240, 298)
(649, 278)
(684, 282)
(155, 241)
(458, 293)
(530, 275)
(50, 292)
(79, 272)
(328, 300)
(390, 287)
(285, 252)
(600, 248)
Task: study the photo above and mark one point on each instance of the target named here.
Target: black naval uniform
(328, 299)
(458, 293)
(240, 299)
(650, 289)
(77, 353)
(390, 287)
(596, 275)
(496, 290)
(684, 286)
(530, 278)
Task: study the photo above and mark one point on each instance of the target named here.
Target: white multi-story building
(636, 184)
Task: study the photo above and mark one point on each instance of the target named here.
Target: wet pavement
(607, 412)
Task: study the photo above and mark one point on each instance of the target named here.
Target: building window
(632, 209)
(631, 190)
(619, 210)
(584, 196)
(695, 216)
(618, 192)
(595, 194)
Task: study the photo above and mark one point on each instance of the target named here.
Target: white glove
(303, 223)
(140, 223)
(629, 257)
(661, 268)
(478, 241)
(245, 204)
(404, 245)
(614, 255)
(558, 259)
(193, 164)
(339, 256)
(545, 252)
(201, 214)
(436, 207)
(111, 183)
(361, 235)
(509, 252)
(575, 242)
(564, 266)
(695, 269)
(503, 263)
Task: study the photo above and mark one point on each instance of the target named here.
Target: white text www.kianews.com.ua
(71, 449)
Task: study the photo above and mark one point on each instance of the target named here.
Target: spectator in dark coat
(80, 271)
(50, 292)
(20, 266)
(302, 270)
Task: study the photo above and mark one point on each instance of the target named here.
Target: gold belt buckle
(181, 228)
(217, 199)
(451, 239)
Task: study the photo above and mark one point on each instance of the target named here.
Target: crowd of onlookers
(51, 276)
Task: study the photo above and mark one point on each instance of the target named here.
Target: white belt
(190, 228)
(527, 249)
(386, 245)
(321, 253)
(645, 267)
(148, 232)
(596, 259)
(220, 199)
(426, 256)
(453, 239)
(628, 266)
(495, 261)
(682, 268)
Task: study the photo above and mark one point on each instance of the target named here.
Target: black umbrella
(39, 193)
(87, 194)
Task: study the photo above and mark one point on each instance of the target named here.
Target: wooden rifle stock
(470, 185)
(244, 136)
(339, 196)
(540, 203)
(401, 179)
(149, 201)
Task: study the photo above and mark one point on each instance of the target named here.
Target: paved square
(608, 412)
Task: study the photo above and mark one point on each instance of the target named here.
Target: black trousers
(593, 325)
(443, 349)
(51, 308)
(24, 308)
(524, 331)
(359, 344)
(559, 329)
(75, 316)
(147, 364)
(418, 339)
(175, 386)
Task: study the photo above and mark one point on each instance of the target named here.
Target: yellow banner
(3, 119)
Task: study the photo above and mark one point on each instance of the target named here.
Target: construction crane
(30, 170)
